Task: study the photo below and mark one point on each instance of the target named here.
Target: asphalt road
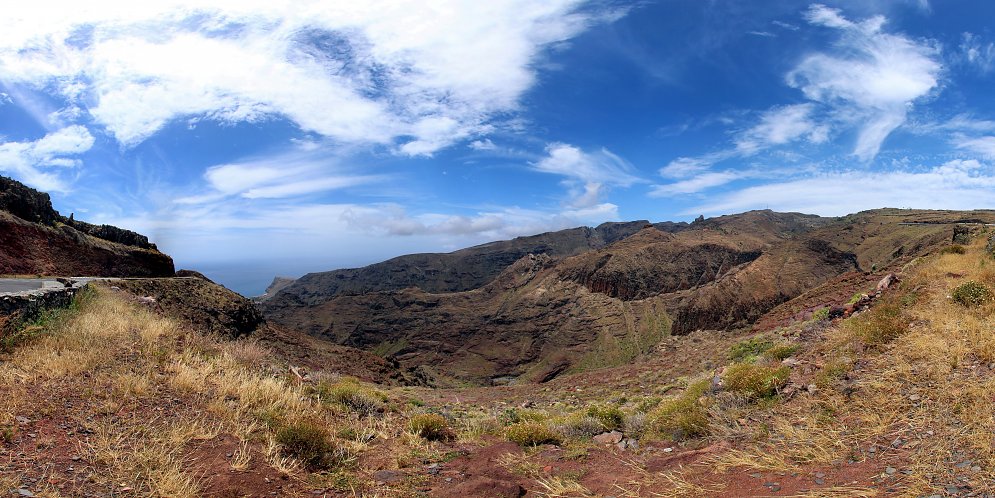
(25, 284)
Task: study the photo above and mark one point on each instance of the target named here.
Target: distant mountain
(462, 270)
(36, 240)
(591, 303)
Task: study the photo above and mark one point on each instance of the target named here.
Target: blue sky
(252, 138)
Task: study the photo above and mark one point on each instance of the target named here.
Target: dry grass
(560, 487)
(119, 358)
(923, 377)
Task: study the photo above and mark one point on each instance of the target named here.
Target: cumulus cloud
(38, 162)
(411, 75)
(957, 184)
(872, 75)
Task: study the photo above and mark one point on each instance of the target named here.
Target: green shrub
(353, 395)
(883, 323)
(531, 434)
(683, 417)
(755, 381)
(430, 426)
(821, 314)
(516, 415)
(781, 351)
(609, 416)
(309, 443)
(971, 293)
(648, 403)
(749, 349)
(831, 372)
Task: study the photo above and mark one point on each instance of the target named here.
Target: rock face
(550, 313)
(36, 239)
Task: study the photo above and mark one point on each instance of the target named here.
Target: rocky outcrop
(36, 240)
(26, 203)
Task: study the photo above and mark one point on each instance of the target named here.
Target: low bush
(883, 323)
(749, 349)
(755, 381)
(310, 443)
(430, 426)
(531, 434)
(781, 351)
(683, 417)
(953, 249)
(581, 426)
(609, 416)
(971, 293)
(516, 415)
(353, 395)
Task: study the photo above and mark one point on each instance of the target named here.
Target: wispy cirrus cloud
(301, 171)
(871, 78)
(780, 126)
(587, 174)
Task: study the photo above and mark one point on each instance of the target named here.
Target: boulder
(962, 234)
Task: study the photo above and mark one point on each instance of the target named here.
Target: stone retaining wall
(17, 308)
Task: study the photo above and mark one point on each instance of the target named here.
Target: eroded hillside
(546, 314)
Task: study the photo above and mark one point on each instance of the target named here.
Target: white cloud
(417, 76)
(958, 184)
(873, 76)
(598, 167)
(825, 16)
(781, 125)
(698, 183)
(683, 167)
(485, 144)
(588, 174)
(985, 146)
(978, 53)
(490, 224)
(32, 162)
(305, 170)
